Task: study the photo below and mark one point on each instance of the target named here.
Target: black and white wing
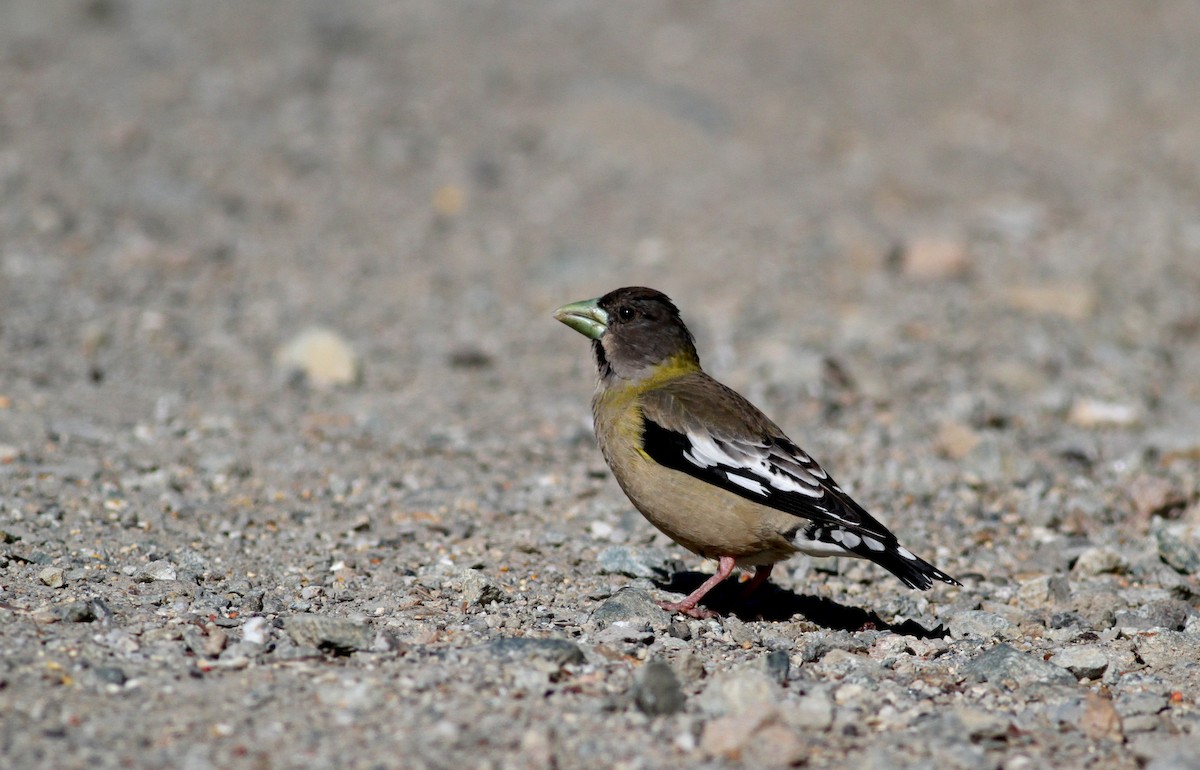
(770, 469)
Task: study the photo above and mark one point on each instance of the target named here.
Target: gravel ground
(953, 248)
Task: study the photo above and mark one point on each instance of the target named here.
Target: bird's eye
(625, 313)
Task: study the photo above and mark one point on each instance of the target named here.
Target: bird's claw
(692, 611)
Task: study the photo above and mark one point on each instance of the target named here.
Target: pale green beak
(585, 317)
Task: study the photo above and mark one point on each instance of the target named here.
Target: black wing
(774, 472)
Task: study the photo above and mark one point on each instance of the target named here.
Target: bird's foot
(691, 610)
(753, 584)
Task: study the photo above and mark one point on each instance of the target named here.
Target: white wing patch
(760, 468)
(749, 484)
(848, 538)
(810, 541)
(872, 543)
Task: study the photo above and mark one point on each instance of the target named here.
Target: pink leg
(761, 573)
(725, 567)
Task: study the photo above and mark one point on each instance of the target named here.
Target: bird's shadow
(775, 604)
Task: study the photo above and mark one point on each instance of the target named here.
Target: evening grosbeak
(704, 465)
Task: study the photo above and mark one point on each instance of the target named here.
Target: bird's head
(635, 332)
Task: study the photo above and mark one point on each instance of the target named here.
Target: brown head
(634, 330)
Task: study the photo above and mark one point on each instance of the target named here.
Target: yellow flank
(615, 393)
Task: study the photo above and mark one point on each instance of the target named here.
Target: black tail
(914, 571)
(877, 545)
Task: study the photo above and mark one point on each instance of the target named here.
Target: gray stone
(54, 577)
(680, 629)
(650, 563)
(1002, 662)
(741, 633)
(336, 635)
(1167, 649)
(980, 724)
(978, 624)
(558, 652)
(1155, 496)
(1098, 561)
(777, 665)
(625, 634)
(1140, 702)
(656, 690)
(744, 690)
(159, 569)
(1086, 662)
(818, 644)
(239, 654)
(1177, 546)
(630, 605)
(478, 589)
(812, 711)
(76, 612)
(993, 461)
(207, 644)
(775, 745)
(1046, 591)
(727, 736)
(1167, 752)
(1171, 614)
(110, 674)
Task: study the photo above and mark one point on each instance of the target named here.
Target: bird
(707, 467)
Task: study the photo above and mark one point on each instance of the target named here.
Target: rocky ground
(953, 248)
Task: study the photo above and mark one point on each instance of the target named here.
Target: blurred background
(1006, 185)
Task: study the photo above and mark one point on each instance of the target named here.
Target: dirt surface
(952, 248)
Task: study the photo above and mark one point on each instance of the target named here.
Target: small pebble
(740, 691)
(934, 258)
(322, 357)
(978, 624)
(980, 724)
(1092, 413)
(726, 736)
(630, 605)
(1075, 302)
(77, 612)
(1179, 547)
(1098, 561)
(1155, 496)
(1044, 592)
(479, 590)
(777, 665)
(335, 635)
(110, 674)
(774, 745)
(657, 690)
(813, 711)
(1100, 719)
(955, 440)
(558, 652)
(649, 563)
(1003, 663)
(53, 577)
(160, 569)
(256, 631)
(1085, 662)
